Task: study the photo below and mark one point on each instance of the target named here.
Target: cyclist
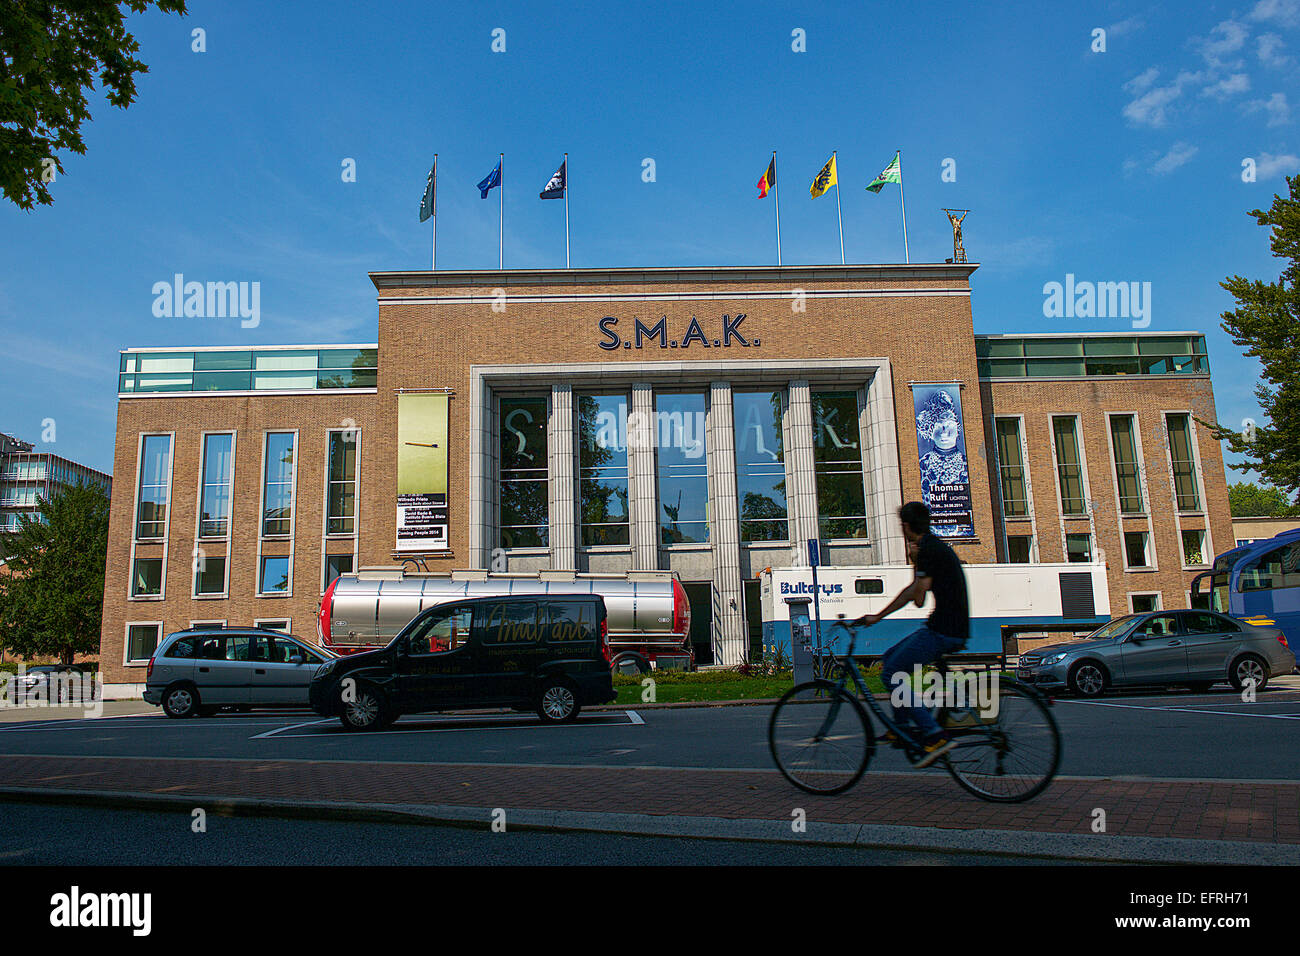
(938, 571)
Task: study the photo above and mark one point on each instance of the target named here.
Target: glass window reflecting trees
(682, 468)
(155, 483)
(277, 488)
(837, 462)
(218, 474)
(603, 470)
(1183, 460)
(341, 488)
(523, 472)
(760, 466)
(1124, 443)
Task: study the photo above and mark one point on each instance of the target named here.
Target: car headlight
(325, 669)
(1053, 659)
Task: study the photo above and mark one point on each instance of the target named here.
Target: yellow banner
(827, 178)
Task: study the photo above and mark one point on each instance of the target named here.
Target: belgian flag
(768, 180)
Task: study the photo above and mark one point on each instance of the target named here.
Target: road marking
(272, 733)
(511, 722)
(633, 716)
(1181, 710)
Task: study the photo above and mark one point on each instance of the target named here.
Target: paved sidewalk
(1262, 820)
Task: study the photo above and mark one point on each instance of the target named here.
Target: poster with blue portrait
(945, 470)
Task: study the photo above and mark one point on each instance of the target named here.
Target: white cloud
(1228, 86)
(1267, 46)
(1268, 165)
(1179, 155)
(1130, 25)
(1284, 12)
(1276, 106)
(1142, 81)
(1227, 37)
(1152, 107)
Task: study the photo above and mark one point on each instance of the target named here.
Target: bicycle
(826, 663)
(822, 739)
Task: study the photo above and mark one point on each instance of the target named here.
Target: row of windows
(1069, 468)
(143, 638)
(1137, 549)
(681, 467)
(216, 493)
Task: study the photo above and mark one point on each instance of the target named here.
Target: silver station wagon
(1194, 649)
(198, 672)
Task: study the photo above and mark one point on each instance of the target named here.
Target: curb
(1026, 844)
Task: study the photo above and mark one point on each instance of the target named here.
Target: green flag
(893, 173)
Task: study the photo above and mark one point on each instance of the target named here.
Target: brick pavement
(1246, 812)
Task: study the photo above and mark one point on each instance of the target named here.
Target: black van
(548, 652)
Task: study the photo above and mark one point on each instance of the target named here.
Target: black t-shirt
(938, 562)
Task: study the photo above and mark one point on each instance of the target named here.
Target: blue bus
(1258, 583)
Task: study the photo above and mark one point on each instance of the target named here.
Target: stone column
(482, 468)
(800, 476)
(879, 430)
(642, 505)
(729, 632)
(562, 506)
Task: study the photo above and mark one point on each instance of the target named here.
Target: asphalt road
(84, 836)
(1214, 736)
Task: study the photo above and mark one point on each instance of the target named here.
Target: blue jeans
(922, 646)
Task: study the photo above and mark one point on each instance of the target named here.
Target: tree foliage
(51, 599)
(1266, 323)
(51, 54)
(1249, 500)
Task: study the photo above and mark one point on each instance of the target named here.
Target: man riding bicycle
(938, 571)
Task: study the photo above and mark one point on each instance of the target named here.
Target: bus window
(1279, 568)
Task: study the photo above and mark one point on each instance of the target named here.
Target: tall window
(523, 472)
(277, 486)
(218, 475)
(760, 466)
(1124, 443)
(682, 468)
(837, 464)
(602, 469)
(155, 483)
(1011, 466)
(341, 478)
(1069, 470)
(1183, 459)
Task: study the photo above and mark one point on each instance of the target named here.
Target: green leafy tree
(1266, 323)
(50, 55)
(1248, 500)
(51, 601)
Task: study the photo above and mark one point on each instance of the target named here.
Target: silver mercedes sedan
(1194, 649)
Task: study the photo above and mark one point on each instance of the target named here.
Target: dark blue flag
(555, 188)
(492, 180)
(429, 204)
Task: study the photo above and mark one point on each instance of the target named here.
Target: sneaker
(888, 737)
(934, 749)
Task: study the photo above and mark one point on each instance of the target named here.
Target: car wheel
(1087, 679)
(558, 703)
(180, 701)
(367, 712)
(1200, 686)
(630, 664)
(1246, 669)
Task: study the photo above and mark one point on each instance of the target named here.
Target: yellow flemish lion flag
(825, 179)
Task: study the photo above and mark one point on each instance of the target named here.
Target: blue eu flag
(492, 180)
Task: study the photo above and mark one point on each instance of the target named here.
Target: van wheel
(1247, 669)
(180, 701)
(1087, 679)
(367, 712)
(558, 703)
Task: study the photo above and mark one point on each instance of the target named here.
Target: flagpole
(566, 210)
(907, 256)
(837, 206)
(433, 265)
(501, 213)
(776, 202)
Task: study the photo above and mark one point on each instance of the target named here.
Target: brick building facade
(799, 381)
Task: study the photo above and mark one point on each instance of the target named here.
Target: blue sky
(1123, 165)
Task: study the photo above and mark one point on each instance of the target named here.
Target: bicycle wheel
(820, 737)
(1011, 756)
